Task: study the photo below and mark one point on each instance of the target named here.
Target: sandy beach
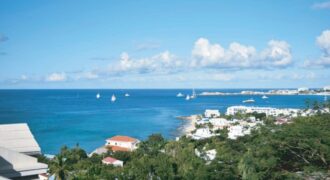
(189, 124)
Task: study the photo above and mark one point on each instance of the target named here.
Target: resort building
(303, 89)
(267, 110)
(17, 148)
(122, 143)
(211, 113)
(112, 161)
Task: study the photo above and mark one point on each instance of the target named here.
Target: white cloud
(323, 41)
(276, 55)
(322, 5)
(56, 77)
(161, 63)
(207, 52)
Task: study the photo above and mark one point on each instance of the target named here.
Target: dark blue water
(67, 117)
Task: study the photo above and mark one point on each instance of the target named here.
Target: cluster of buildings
(212, 121)
(18, 153)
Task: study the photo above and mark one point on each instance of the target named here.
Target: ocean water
(68, 117)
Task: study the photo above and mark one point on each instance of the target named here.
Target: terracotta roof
(109, 160)
(118, 148)
(122, 138)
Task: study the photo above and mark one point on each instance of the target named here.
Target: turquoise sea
(68, 117)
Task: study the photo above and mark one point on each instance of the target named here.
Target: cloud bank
(323, 42)
(277, 54)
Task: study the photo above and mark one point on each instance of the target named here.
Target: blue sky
(164, 44)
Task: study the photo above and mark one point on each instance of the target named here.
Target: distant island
(300, 91)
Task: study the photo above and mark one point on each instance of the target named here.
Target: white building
(267, 110)
(211, 113)
(220, 122)
(303, 89)
(326, 88)
(202, 133)
(17, 144)
(112, 161)
(122, 143)
(237, 131)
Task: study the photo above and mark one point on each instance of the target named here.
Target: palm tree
(59, 168)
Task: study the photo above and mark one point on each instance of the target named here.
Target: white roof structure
(14, 164)
(18, 137)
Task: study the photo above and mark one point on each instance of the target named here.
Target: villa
(122, 143)
(112, 161)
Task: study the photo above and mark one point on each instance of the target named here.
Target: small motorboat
(249, 101)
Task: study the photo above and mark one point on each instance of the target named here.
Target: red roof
(122, 138)
(109, 160)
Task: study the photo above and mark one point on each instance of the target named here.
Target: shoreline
(188, 124)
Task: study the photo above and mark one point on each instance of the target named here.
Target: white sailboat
(264, 97)
(249, 101)
(113, 98)
(127, 95)
(98, 95)
(187, 97)
(179, 95)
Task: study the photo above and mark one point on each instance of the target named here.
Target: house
(210, 113)
(122, 143)
(112, 161)
(17, 148)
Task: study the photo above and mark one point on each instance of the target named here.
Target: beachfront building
(267, 110)
(112, 161)
(122, 143)
(211, 113)
(17, 148)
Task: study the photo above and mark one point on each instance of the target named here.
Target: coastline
(189, 123)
